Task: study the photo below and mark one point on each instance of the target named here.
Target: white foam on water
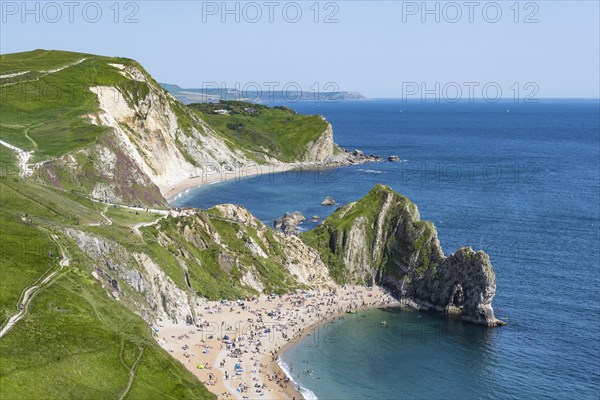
(371, 171)
(306, 393)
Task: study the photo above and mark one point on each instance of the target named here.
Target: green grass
(24, 259)
(49, 108)
(78, 343)
(277, 132)
(74, 341)
(127, 217)
(37, 60)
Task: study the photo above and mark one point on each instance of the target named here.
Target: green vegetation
(75, 340)
(127, 217)
(44, 111)
(277, 132)
(214, 269)
(402, 234)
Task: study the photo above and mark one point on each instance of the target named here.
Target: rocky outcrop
(328, 201)
(381, 239)
(135, 279)
(167, 141)
(105, 172)
(322, 149)
(288, 223)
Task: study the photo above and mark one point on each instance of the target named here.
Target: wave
(371, 171)
(306, 393)
(180, 195)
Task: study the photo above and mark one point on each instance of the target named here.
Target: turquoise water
(522, 185)
(428, 358)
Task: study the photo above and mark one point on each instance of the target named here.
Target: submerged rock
(288, 223)
(381, 239)
(393, 158)
(328, 201)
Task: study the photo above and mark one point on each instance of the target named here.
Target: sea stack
(381, 239)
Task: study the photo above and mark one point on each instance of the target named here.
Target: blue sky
(375, 47)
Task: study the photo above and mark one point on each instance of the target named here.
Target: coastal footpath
(90, 175)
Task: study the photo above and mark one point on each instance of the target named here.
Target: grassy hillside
(277, 132)
(74, 341)
(42, 110)
(85, 332)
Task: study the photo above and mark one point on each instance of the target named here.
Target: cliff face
(323, 149)
(134, 279)
(224, 252)
(122, 138)
(149, 141)
(168, 142)
(382, 239)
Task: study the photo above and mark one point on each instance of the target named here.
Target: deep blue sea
(520, 181)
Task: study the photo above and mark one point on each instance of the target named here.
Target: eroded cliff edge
(381, 239)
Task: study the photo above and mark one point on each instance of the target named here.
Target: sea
(517, 180)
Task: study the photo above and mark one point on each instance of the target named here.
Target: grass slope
(277, 132)
(74, 341)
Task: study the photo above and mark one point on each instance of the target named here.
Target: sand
(257, 332)
(171, 192)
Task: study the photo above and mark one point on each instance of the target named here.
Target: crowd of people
(239, 342)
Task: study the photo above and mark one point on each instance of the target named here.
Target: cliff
(322, 149)
(224, 252)
(118, 137)
(381, 239)
(111, 132)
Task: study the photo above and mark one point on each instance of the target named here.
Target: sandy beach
(170, 192)
(173, 190)
(234, 346)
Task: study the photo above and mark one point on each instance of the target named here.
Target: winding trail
(28, 293)
(26, 132)
(136, 227)
(108, 220)
(23, 156)
(41, 73)
(132, 374)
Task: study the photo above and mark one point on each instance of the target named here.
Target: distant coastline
(257, 94)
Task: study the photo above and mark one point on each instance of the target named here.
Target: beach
(171, 191)
(234, 346)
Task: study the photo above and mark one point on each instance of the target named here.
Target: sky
(545, 49)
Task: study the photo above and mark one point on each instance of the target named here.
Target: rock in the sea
(393, 158)
(381, 239)
(288, 223)
(328, 201)
(358, 153)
